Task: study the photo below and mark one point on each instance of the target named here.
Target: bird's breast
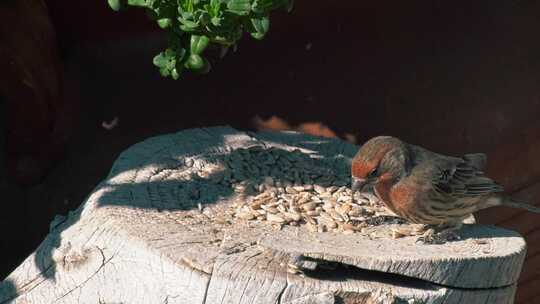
(383, 191)
(400, 199)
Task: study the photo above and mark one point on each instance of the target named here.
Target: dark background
(455, 77)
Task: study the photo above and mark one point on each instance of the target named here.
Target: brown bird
(425, 187)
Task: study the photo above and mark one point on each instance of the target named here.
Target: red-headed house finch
(425, 187)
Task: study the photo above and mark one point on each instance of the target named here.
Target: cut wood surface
(160, 229)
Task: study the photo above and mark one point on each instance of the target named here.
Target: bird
(424, 187)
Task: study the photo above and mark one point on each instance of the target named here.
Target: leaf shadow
(8, 291)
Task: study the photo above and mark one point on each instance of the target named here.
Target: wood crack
(282, 292)
(341, 271)
(104, 262)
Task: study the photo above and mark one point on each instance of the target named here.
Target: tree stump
(172, 224)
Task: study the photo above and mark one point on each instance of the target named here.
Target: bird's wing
(462, 177)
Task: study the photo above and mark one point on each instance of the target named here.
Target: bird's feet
(431, 236)
(440, 234)
(428, 234)
(408, 230)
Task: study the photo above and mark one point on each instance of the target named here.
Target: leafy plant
(194, 25)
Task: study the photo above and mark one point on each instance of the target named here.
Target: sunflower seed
(245, 215)
(270, 209)
(313, 213)
(275, 218)
(319, 189)
(343, 208)
(311, 227)
(348, 231)
(292, 216)
(309, 206)
(189, 162)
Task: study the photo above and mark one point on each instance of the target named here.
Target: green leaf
(215, 7)
(186, 15)
(180, 54)
(164, 23)
(175, 74)
(141, 3)
(216, 21)
(264, 6)
(165, 60)
(187, 28)
(198, 44)
(188, 25)
(239, 7)
(259, 27)
(205, 69)
(202, 17)
(200, 23)
(168, 62)
(198, 65)
(116, 5)
(185, 6)
(195, 62)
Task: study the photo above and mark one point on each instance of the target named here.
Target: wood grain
(138, 238)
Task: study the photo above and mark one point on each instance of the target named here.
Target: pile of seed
(251, 166)
(319, 208)
(295, 188)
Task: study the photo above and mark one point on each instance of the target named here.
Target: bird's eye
(373, 173)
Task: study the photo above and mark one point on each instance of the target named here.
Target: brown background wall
(453, 77)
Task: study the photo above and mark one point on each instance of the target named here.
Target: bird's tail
(515, 204)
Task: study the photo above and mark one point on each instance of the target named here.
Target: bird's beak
(358, 184)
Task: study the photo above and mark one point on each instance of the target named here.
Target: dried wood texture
(164, 228)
